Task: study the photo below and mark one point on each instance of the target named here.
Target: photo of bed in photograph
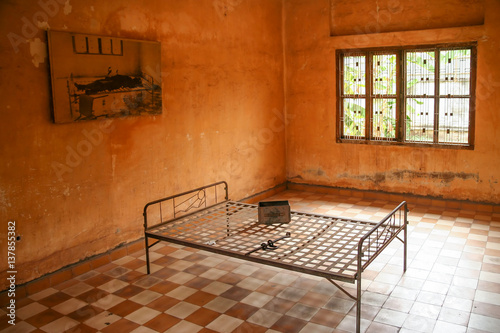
(103, 77)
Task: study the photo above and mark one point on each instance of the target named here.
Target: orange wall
(76, 190)
(314, 157)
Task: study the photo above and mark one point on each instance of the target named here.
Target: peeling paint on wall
(67, 8)
(38, 51)
(43, 25)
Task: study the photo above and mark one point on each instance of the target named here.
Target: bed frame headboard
(170, 208)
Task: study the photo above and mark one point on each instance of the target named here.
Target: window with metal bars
(420, 96)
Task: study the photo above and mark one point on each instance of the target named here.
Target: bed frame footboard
(169, 209)
(375, 241)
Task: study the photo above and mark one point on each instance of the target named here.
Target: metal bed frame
(335, 248)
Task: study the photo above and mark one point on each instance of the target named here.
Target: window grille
(384, 101)
(419, 96)
(354, 106)
(438, 113)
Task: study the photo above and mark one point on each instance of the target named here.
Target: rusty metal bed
(336, 248)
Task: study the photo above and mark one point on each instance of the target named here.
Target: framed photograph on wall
(103, 77)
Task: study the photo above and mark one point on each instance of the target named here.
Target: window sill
(406, 144)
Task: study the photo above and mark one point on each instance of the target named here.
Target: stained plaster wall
(314, 156)
(78, 189)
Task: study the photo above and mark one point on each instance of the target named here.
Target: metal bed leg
(405, 249)
(357, 299)
(358, 305)
(147, 253)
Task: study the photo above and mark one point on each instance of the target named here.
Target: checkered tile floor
(452, 285)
